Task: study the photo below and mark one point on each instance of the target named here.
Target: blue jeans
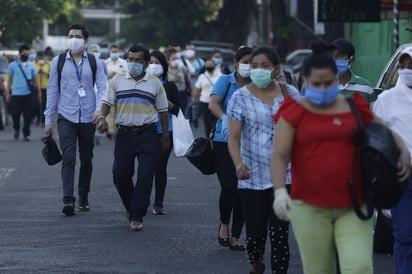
(144, 145)
(402, 231)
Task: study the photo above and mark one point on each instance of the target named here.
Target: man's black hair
(23, 48)
(84, 30)
(137, 48)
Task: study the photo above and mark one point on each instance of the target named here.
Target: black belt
(135, 129)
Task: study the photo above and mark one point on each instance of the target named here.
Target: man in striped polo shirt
(138, 97)
(344, 54)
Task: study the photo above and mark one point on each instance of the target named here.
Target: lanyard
(79, 69)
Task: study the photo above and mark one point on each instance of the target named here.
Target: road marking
(4, 173)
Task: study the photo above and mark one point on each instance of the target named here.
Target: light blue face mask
(261, 77)
(135, 69)
(342, 66)
(32, 56)
(217, 61)
(322, 97)
(114, 55)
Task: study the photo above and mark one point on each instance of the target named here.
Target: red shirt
(323, 153)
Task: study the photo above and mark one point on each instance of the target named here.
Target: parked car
(389, 76)
(295, 59)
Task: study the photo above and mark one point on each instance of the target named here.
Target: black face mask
(24, 58)
(210, 69)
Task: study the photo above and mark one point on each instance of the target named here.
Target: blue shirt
(225, 84)
(68, 102)
(19, 84)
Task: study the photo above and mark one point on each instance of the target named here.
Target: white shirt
(394, 107)
(205, 83)
(116, 66)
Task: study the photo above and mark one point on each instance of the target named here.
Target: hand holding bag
(50, 151)
(182, 134)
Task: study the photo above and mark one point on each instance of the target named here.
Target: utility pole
(263, 21)
(395, 24)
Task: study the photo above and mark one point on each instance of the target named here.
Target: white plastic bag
(182, 134)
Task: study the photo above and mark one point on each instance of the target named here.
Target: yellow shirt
(43, 71)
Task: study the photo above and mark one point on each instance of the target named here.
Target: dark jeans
(144, 145)
(161, 173)
(402, 231)
(258, 212)
(229, 200)
(69, 134)
(43, 104)
(184, 101)
(207, 117)
(22, 105)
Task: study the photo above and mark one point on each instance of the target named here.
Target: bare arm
(281, 151)
(235, 129)
(215, 106)
(8, 88)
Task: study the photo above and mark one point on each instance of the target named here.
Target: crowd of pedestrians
(283, 153)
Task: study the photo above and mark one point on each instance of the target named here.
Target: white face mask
(175, 63)
(190, 53)
(405, 76)
(155, 69)
(97, 54)
(76, 45)
(244, 70)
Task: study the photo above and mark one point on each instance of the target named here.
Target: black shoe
(225, 242)
(84, 204)
(260, 269)
(238, 247)
(159, 210)
(68, 208)
(16, 134)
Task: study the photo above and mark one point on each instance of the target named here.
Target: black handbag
(50, 151)
(379, 155)
(201, 155)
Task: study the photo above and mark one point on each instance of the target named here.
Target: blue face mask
(32, 56)
(217, 61)
(342, 65)
(114, 55)
(321, 97)
(261, 77)
(135, 69)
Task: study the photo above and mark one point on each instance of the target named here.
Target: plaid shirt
(257, 135)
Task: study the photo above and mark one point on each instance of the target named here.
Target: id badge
(81, 92)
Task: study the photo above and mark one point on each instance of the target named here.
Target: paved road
(36, 238)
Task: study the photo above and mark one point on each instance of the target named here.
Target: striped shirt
(137, 102)
(358, 84)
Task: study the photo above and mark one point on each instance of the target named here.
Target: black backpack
(62, 58)
(379, 156)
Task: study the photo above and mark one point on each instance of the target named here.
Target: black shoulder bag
(200, 153)
(32, 85)
(378, 155)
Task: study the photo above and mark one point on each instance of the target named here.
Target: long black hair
(162, 59)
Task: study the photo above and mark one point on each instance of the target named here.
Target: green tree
(165, 22)
(21, 20)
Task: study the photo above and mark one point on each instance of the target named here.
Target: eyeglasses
(405, 66)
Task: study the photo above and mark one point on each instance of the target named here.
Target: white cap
(407, 50)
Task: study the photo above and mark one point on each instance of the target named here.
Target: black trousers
(207, 117)
(161, 173)
(144, 145)
(22, 105)
(69, 135)
(258, 212)
(229, 199)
